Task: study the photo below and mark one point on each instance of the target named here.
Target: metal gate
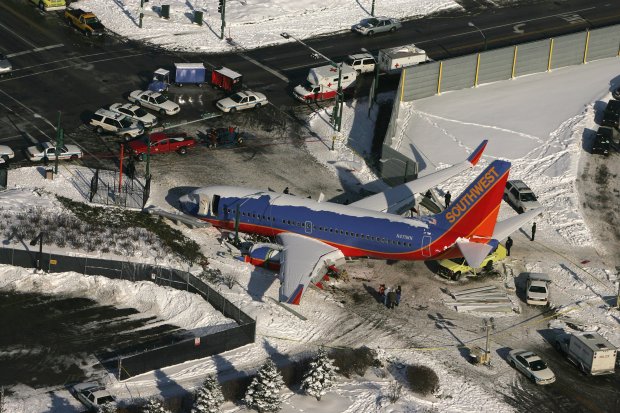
(107, 188)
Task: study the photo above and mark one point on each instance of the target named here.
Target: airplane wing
(510, 225)
(303, 260)
(398, 199)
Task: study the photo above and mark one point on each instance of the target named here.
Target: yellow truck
(48, 5)
(84, 21)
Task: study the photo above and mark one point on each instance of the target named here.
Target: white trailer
(590, 352)
(394, 59)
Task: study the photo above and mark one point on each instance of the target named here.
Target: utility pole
(372, 9)
(221, 8)
(59, 144)
(337, 113)
(141, 13)
(488, 326)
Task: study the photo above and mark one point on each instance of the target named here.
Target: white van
(394, 59)
(590, 352)
(322, 83)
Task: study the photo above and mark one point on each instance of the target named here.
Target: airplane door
(426, 246)
(308, 227)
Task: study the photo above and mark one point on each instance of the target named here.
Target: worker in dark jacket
(508, 245)
(398, 292)
(285, 190)
(447, 198)
(533, 230)
(391, 299)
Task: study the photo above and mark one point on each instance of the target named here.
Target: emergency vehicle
(322, 83)
(394, 59)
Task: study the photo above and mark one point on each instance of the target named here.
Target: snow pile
(186, 310)
(250, 23)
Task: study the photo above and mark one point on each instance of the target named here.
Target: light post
(372, 9)
(38, 238)
(337, 114)
(470, 24)
(488, 326)
(59, 137)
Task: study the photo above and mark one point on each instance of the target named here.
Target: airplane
(317, 235)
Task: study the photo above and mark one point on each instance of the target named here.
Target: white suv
(106, 120)
(520, 196)
(362, 62)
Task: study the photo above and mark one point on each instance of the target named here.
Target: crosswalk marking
(35, 50)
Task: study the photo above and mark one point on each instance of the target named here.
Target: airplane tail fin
(473, 214)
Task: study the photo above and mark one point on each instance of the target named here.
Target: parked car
(531, 365)
(602, 140)
(92, 395)
(106, 120)
(454, 268)
(6, 153)
(537, 288)
(47, 151)
(5, 65)
(374, 25)
(242, 100)
(520, 196)
(135, 112)
(611, 115)
(362, 62)
(155, 101)
(161, 142)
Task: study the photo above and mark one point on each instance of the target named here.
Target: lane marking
(517, 28)
(503, 25)
(262, 66)
(34, 46)
(300, 66)
(69, 66)
(38, 49)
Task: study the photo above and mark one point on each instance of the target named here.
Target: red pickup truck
(161, 142)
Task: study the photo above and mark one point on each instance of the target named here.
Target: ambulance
(322, 83)
(394, 59)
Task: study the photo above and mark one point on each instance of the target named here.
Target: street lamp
(470, 24)
(38, 238)
(337, 114)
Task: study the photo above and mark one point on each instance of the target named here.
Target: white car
(92, 395)
(106, 120)
(242, 100)
(531, 365)
(135, 112)
(6, 153)
(5, 65)
(155, 101)
(47, 150)
(361, 62)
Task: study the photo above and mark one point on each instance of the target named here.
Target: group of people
(391, 296)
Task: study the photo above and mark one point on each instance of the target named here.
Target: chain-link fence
(108, 188)
(165, 350)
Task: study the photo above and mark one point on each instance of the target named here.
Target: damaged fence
(165, 350)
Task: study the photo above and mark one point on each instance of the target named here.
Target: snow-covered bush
(263, 394)
(355, 361)
(320, 376)
(209, 397)
(394, 390)
(422, 379)
(154, 405)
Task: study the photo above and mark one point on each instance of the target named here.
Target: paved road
(58, 69)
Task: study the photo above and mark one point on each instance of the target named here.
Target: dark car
(611, 116)
(602, 140)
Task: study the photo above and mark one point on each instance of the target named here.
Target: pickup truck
(84, 21)
(161, 143)
(589, 351)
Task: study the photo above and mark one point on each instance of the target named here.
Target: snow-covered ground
(249, 23)
(536, 121)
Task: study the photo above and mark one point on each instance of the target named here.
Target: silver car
(5, 65)
(92, 395)
(375, 25)
(6, 153)
(531, 365)
(520, 196)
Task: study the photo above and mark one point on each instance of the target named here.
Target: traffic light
(220, 6)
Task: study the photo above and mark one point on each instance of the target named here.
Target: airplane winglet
(477, 153)
(474, 252)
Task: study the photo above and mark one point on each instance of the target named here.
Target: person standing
(391, 299)
(533, 230)
(447, 198)
(385, 297)
(508, 246)
(398, 292)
